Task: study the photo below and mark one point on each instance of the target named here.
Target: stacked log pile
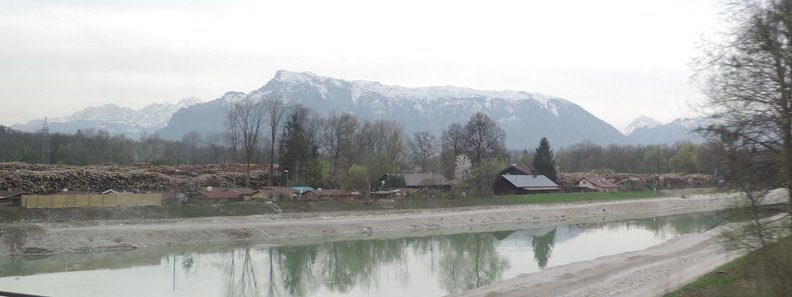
(661, 181)
(50, 179)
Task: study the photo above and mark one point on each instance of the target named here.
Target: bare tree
(452, 139)
(748, 81)
(423, 147)
(339, 131)
(245, 119)
(276, 110)
(191, 142)
(217, 152)
(483, 138)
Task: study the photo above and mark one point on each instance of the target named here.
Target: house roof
(331, 192)
(242, 191)
(599, 181)
(10, 194)
(279, 191)
(284, 189)
(70, 192)
(530, 181)
(518, 168)
(122, 191)
(218, 194)
(302, 189)
(425, 179)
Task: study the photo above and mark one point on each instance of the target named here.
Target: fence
(60, 201)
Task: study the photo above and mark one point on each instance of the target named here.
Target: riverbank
(650, 272)
(69, 237)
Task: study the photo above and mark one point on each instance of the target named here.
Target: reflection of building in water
(78, 262)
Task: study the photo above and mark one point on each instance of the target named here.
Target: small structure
(123, 191)
(248, 194)
(218, 195)
(594, 183)
(424, 181)
(319, 194)
(10, 197)
(508, 184)
(279, 193)
(515, 169)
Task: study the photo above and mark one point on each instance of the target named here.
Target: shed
(515, 169)
(217, 195)
(508, 184)
(10, 197)
(331, 194)
(279, 193)
(595, 183)
(421, 180)
(248, 194)
(123, 191)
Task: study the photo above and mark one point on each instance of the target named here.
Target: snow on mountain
(641, 122)
(526, 117)
(113, 118)
(678, 130)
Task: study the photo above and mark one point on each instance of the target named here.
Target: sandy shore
(642, 273)
(652, 272)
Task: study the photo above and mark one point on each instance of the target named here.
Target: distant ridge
(113, 119)
(526, 117)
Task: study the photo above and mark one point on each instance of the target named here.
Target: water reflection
(543, 247)
(419, 266)
(469, 261)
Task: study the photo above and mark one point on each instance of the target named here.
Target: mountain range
(525, 117)
(113, 119)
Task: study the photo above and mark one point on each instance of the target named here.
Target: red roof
(279, 191)
(517, 169)
(600, 182)
(242, 191)
(219, 194)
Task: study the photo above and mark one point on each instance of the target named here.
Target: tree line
(343, 150)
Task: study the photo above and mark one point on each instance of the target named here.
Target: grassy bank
(765, 272)
(581, 197)
(189, 210)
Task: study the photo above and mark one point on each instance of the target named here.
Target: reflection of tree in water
(469, 261)
(242, 280)
(543, 247)
(299, 270)
(357, 263)
(678, 224)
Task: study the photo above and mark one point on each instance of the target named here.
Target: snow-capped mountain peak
(526, 117)
(641, 122)
(113, 118)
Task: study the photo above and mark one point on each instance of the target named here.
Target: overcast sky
(616, 58)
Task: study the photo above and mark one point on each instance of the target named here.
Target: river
(411, 266)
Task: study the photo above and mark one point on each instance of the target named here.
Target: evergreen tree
(544, 160)
(299, 148)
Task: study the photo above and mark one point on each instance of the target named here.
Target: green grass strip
(578, 197)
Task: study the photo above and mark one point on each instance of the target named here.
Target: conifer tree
(544, 160)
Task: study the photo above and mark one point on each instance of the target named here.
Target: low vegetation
(765, 272)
